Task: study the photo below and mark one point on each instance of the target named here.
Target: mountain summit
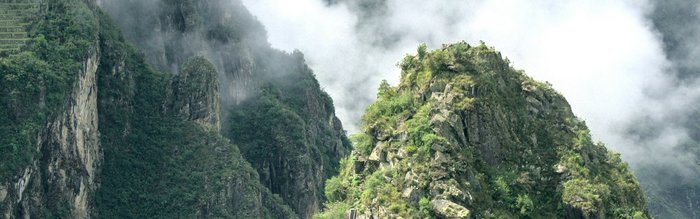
(464, 135)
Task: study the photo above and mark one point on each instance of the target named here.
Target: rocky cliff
(195, 94)
(272, 105)
(90, 129)
(93, 127)
(70, 156)
(53, 164)
(164, 156)
(202, 119)
(464, 135)
(291, 135)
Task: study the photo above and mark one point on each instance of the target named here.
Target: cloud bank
(606, 57)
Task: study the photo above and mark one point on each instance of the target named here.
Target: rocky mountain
(51, 154)
(181, 109)
(272, 105)
(464, 135)
(92, 126)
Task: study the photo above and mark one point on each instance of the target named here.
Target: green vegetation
(36, 83)
(276, 138)
(200, 73)
(15, 19)
(155, 164)
(289, 127)
(584, 195)
(525, 204)
(363, 143)
(272, 106)
(465, 133)
(334, 210)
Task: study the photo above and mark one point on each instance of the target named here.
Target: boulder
(449, 209)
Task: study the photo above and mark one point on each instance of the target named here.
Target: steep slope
(88, 129)
(50, 145)
(164, 157)
(272, 105)
(291, 135)
(464, 135)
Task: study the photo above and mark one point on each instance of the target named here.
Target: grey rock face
(68, 172)
(483, 142)
(196, 94)
(449, 209)
(170, 33)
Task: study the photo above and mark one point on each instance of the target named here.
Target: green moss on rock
(464, 135)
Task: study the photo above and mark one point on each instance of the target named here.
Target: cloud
(605, 57)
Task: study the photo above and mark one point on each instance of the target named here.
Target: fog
(629, 68)
(616, 62)
(226, 35)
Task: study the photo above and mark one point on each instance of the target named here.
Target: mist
(628, 68)
(222, 31)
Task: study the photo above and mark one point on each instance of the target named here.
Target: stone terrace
(14, 21)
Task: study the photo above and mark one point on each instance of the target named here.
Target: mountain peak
(466, 135)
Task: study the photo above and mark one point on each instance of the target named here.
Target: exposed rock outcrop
(164, 155)
(272, 105)
(150, 155)
(64, 179)
(464, 135)
(196, 94)
(448, 209)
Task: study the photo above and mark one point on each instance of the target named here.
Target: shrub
(524, 203)
(583, 194)
(501, 187)
(363, 143)
(334, 191)
(424, 208)
(334, 210)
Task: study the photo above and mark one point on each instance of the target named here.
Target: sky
(605, 57)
